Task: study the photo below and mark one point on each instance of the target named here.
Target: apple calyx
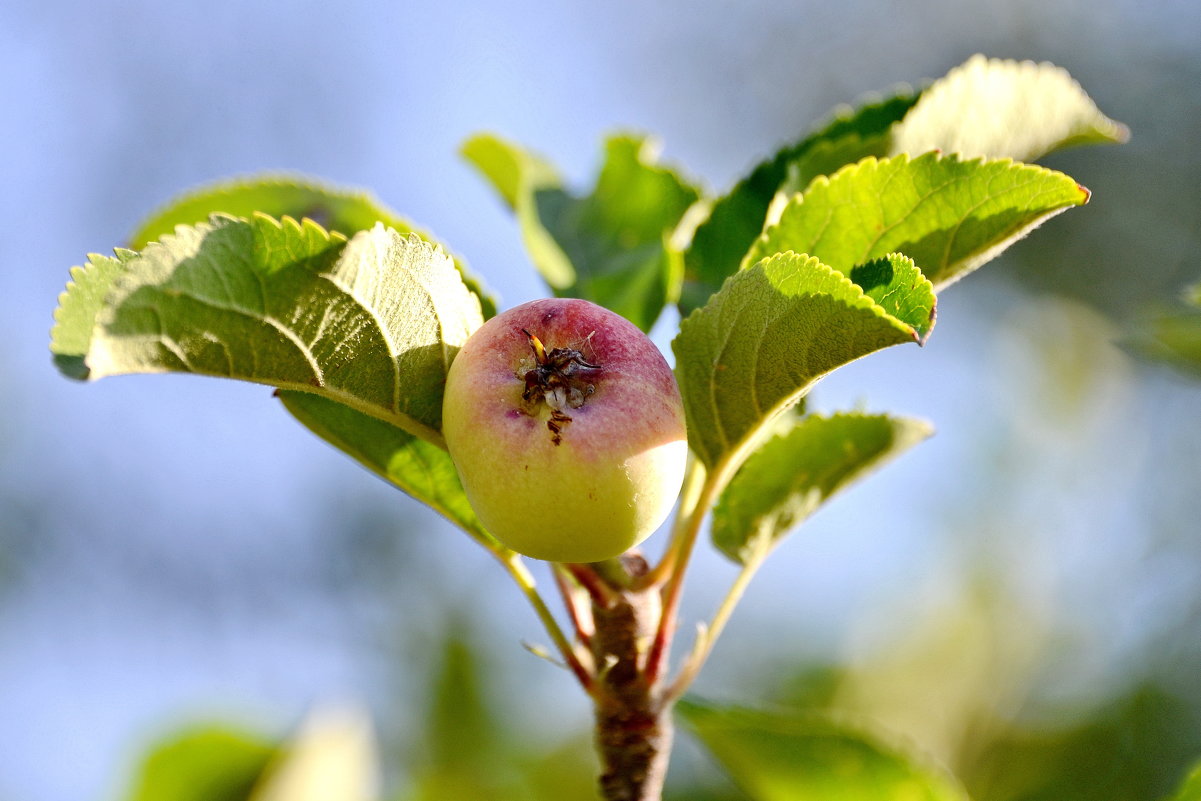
(556, 380)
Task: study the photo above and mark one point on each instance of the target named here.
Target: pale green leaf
(204, 763)
(518, 176)
(949, 216)
(419, 468)
(788, 477)
(612, 246)
(78, 305)
(775, 328)
(800, 756)
(372, 322)
(513, 171)
(1004, 109)
(345, 211)
(1191, 789)
(737, 217)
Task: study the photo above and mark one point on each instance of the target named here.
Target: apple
(566, 427)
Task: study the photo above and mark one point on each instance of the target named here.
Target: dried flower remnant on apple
(561, 398)
(554, 379)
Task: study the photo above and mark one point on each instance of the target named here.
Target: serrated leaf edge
(958, 269)
(734, 454)
(398, 419)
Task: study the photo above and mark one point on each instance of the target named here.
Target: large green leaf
(372, 322)
(203, 763)
(613, 246)
(737, 217)
(1004, 109)
(788, 477)
(799, 756)
(949, 216)
(345, 211)
(419, 468)
(775, 328)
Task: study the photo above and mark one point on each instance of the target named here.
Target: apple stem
(577, 611)
(525, 581)
(694, 483)
(706, 636)
(598, 589)
(685, 540)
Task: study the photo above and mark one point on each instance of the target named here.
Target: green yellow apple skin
(581, 489)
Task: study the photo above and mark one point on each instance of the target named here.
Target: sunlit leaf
(421, 469)
(372, 322)
(78, 305)
(774, 329)
(1004, 109)
(345, 211)
(949, 216)
(209, 763)
(799, 756)
(737, 217)
(789, 476)
(612, 246)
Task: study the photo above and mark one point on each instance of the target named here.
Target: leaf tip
(1085, 193)
(921, 335)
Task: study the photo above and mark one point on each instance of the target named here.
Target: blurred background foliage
(1020, 597)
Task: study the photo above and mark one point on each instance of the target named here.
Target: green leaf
(205, 763)
(419, 468)
(737, 218)
(949, 216)
(612, 246)
(797, 756)
(775, 328)
(344, 211)
(78, 305)
(1191, 789)
(515, 173)
(788, 477)
(372, 322)
(1004, 109)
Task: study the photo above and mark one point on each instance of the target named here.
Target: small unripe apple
(567, 429)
